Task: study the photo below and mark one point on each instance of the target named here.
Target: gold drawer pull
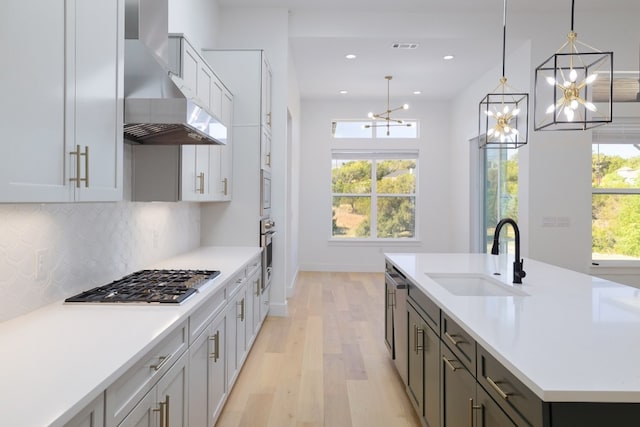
(497, 388)
(452, 339)
(163, 360)
(448, 362)
(226, 185)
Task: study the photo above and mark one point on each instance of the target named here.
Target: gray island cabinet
(507, 356)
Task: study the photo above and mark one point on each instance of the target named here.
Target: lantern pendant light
(565, 98)
(504, 113)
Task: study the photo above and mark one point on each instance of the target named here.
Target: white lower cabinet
(207, 376)
(166, 404)
(186, 378)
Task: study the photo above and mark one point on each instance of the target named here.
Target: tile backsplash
(51, 251)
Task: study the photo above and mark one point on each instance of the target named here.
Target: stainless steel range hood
(158, 108)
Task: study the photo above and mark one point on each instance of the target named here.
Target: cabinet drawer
(123, 395)
(199, 320)
(460, 342)
(254, 265)
(429, 310)
(234, 284)
(511, 394)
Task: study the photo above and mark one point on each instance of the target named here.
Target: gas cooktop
(149, 286)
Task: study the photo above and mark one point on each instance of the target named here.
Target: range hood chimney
(158, 108)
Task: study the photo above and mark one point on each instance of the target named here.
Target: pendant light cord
(504, 35)
(573, 5)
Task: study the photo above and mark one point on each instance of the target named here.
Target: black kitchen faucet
(518, 272)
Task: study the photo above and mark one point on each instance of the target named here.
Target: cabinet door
(171, 393)
(415, 374)
(255, 286)
(190, 67)
(195, 173)
(488, 413)
(33, 80)
(91, 416)
(264, 303)
(144, 414)
(199, 380)
(241, 325)
(267, 78)
(265, 149)
(458, 391)
(217, 375)
(99, 54)
(226, 156)
(431, 349)
(205, 85)
(230, 344)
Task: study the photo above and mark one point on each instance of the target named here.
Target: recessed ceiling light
(447, 57)
(350, 56)
(417, 92)
(344, 92)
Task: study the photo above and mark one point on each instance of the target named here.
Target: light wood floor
(324, 365)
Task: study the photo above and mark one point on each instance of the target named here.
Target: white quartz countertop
(573, 338)
(57, 359)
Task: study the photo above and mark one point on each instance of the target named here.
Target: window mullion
(373, 226)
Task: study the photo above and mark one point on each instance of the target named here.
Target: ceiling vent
(398, 45)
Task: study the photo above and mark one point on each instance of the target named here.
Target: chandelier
(564, 97)
(385, 119)
(504, 113)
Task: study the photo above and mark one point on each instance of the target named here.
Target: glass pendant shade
(565, 98)
(504, 119)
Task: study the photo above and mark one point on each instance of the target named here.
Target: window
(500, 193)
(373, 194)
(364, 129)
(615, 201)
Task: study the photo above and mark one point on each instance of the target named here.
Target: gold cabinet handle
(452, 339)
(201, 181)
(269, 159)
(269, 119)
(449, 364)
(241, 304)
(257, 287)
(226, 185)
(216, 346)
(472, 407)
(497, 388)
(163, 408)
(163, 360)
(420, 333)
(389, 298)
(78, 153)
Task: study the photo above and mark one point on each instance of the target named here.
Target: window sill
(376, 242)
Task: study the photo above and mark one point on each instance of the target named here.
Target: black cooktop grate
(150, 286)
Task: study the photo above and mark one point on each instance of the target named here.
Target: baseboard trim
(278, 309)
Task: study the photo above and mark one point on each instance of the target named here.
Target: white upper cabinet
(248, 74)
(62, 101)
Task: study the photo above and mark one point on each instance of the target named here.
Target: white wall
(87, 245)
(433, 209)
(198, 20)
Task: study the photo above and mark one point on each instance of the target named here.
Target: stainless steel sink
(474, 285)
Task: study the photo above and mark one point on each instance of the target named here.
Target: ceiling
(469, 29)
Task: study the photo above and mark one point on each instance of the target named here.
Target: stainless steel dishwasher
(396, 318)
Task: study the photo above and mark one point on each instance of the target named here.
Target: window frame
(375, 155)
(611, 262)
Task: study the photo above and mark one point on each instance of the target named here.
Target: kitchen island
(57, 360)
(570, 340)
